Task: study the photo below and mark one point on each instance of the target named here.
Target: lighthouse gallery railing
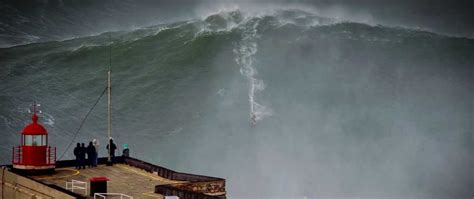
(17, 155)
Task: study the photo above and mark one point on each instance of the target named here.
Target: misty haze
(283, 100)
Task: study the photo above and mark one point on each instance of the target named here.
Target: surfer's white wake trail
(245, 52)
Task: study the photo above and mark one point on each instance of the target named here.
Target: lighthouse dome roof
(34, 128)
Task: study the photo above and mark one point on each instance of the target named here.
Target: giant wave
(341, 108)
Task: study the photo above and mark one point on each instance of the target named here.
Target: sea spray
(363, 111)
(245, 52)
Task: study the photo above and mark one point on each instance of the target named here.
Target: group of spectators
(92, 152)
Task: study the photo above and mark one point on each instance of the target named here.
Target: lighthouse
(34, 155)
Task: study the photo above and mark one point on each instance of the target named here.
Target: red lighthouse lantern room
(34, 154)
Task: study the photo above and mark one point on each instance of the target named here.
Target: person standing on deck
(77, 153)
(96, 144)
(111, 149)
(82, 155)
(126, 151)
(90, 154)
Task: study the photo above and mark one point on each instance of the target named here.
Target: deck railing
(169, 190)
(168, 173)
(76, 184)
(105, 195)
(194, 187)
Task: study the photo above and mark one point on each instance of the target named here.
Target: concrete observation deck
(123, 178)
(135, 178)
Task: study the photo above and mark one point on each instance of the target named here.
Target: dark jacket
(90, 151)
(126, 153)
(77, 151)
(82, 152)
(112, 149)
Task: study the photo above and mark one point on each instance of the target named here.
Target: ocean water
(283, 104)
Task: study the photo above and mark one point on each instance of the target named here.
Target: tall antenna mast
(109, 103)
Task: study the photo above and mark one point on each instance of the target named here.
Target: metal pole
(109, 123)
(109, 103)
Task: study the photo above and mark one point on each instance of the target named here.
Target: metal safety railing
(51, 155)
(105, 195)
(76, 184)
(17, 155)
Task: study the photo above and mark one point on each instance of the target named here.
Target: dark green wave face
(341, 109)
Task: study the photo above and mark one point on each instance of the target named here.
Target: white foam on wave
(83, 46)
(245, 58)
(48, 119)
(6, 121)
